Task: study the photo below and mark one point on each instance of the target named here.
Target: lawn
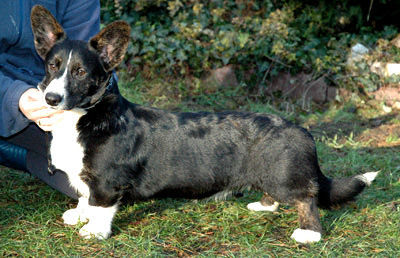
(351, 138)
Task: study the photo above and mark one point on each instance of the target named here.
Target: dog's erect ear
(46, 30)
(111, 43)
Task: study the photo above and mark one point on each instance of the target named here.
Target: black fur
(143, 152)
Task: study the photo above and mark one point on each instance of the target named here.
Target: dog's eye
(53, 67)
(81, 72)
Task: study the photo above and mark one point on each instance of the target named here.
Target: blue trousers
(35, 142)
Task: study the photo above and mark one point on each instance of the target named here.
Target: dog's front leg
(50, 167)
(100, 221)
(78, 214)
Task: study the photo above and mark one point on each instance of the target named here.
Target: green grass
(30, 212)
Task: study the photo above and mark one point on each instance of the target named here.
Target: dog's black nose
(53, 99)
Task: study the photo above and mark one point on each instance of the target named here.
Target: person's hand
(33, 107)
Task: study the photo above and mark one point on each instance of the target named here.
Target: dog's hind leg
(310, 227)
(267, 203)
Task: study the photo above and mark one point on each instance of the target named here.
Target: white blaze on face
(58, 85)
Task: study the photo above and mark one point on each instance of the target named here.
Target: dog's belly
(187, 193)
(67, 153)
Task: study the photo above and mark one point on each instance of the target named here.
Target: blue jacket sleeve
(11, 118)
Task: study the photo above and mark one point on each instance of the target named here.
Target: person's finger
(31, 101)
(51, 120)
(46, 124)
(31, 106)
(35, 95)
(46, 128)
(42, 113)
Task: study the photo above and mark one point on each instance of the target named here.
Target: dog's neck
(106, 115)
(111, 88)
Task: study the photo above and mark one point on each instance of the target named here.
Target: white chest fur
(66, 152)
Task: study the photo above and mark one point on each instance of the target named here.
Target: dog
(117, 152)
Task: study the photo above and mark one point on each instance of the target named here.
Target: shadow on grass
(354, 126)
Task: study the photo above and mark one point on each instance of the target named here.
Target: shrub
(260, 37)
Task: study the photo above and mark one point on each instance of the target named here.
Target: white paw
(73, 217)
(306, 236)
(257, 206)
(93, 230)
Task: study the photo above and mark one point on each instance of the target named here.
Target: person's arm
(21, 104)
(12, 120)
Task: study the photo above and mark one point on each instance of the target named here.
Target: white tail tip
(367, 178)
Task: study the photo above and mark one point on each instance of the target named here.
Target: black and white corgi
(115, 151)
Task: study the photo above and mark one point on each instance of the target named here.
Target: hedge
(192, 37)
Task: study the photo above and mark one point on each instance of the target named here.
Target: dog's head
(77, 73)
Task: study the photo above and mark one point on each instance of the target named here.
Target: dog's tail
(334, 192)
